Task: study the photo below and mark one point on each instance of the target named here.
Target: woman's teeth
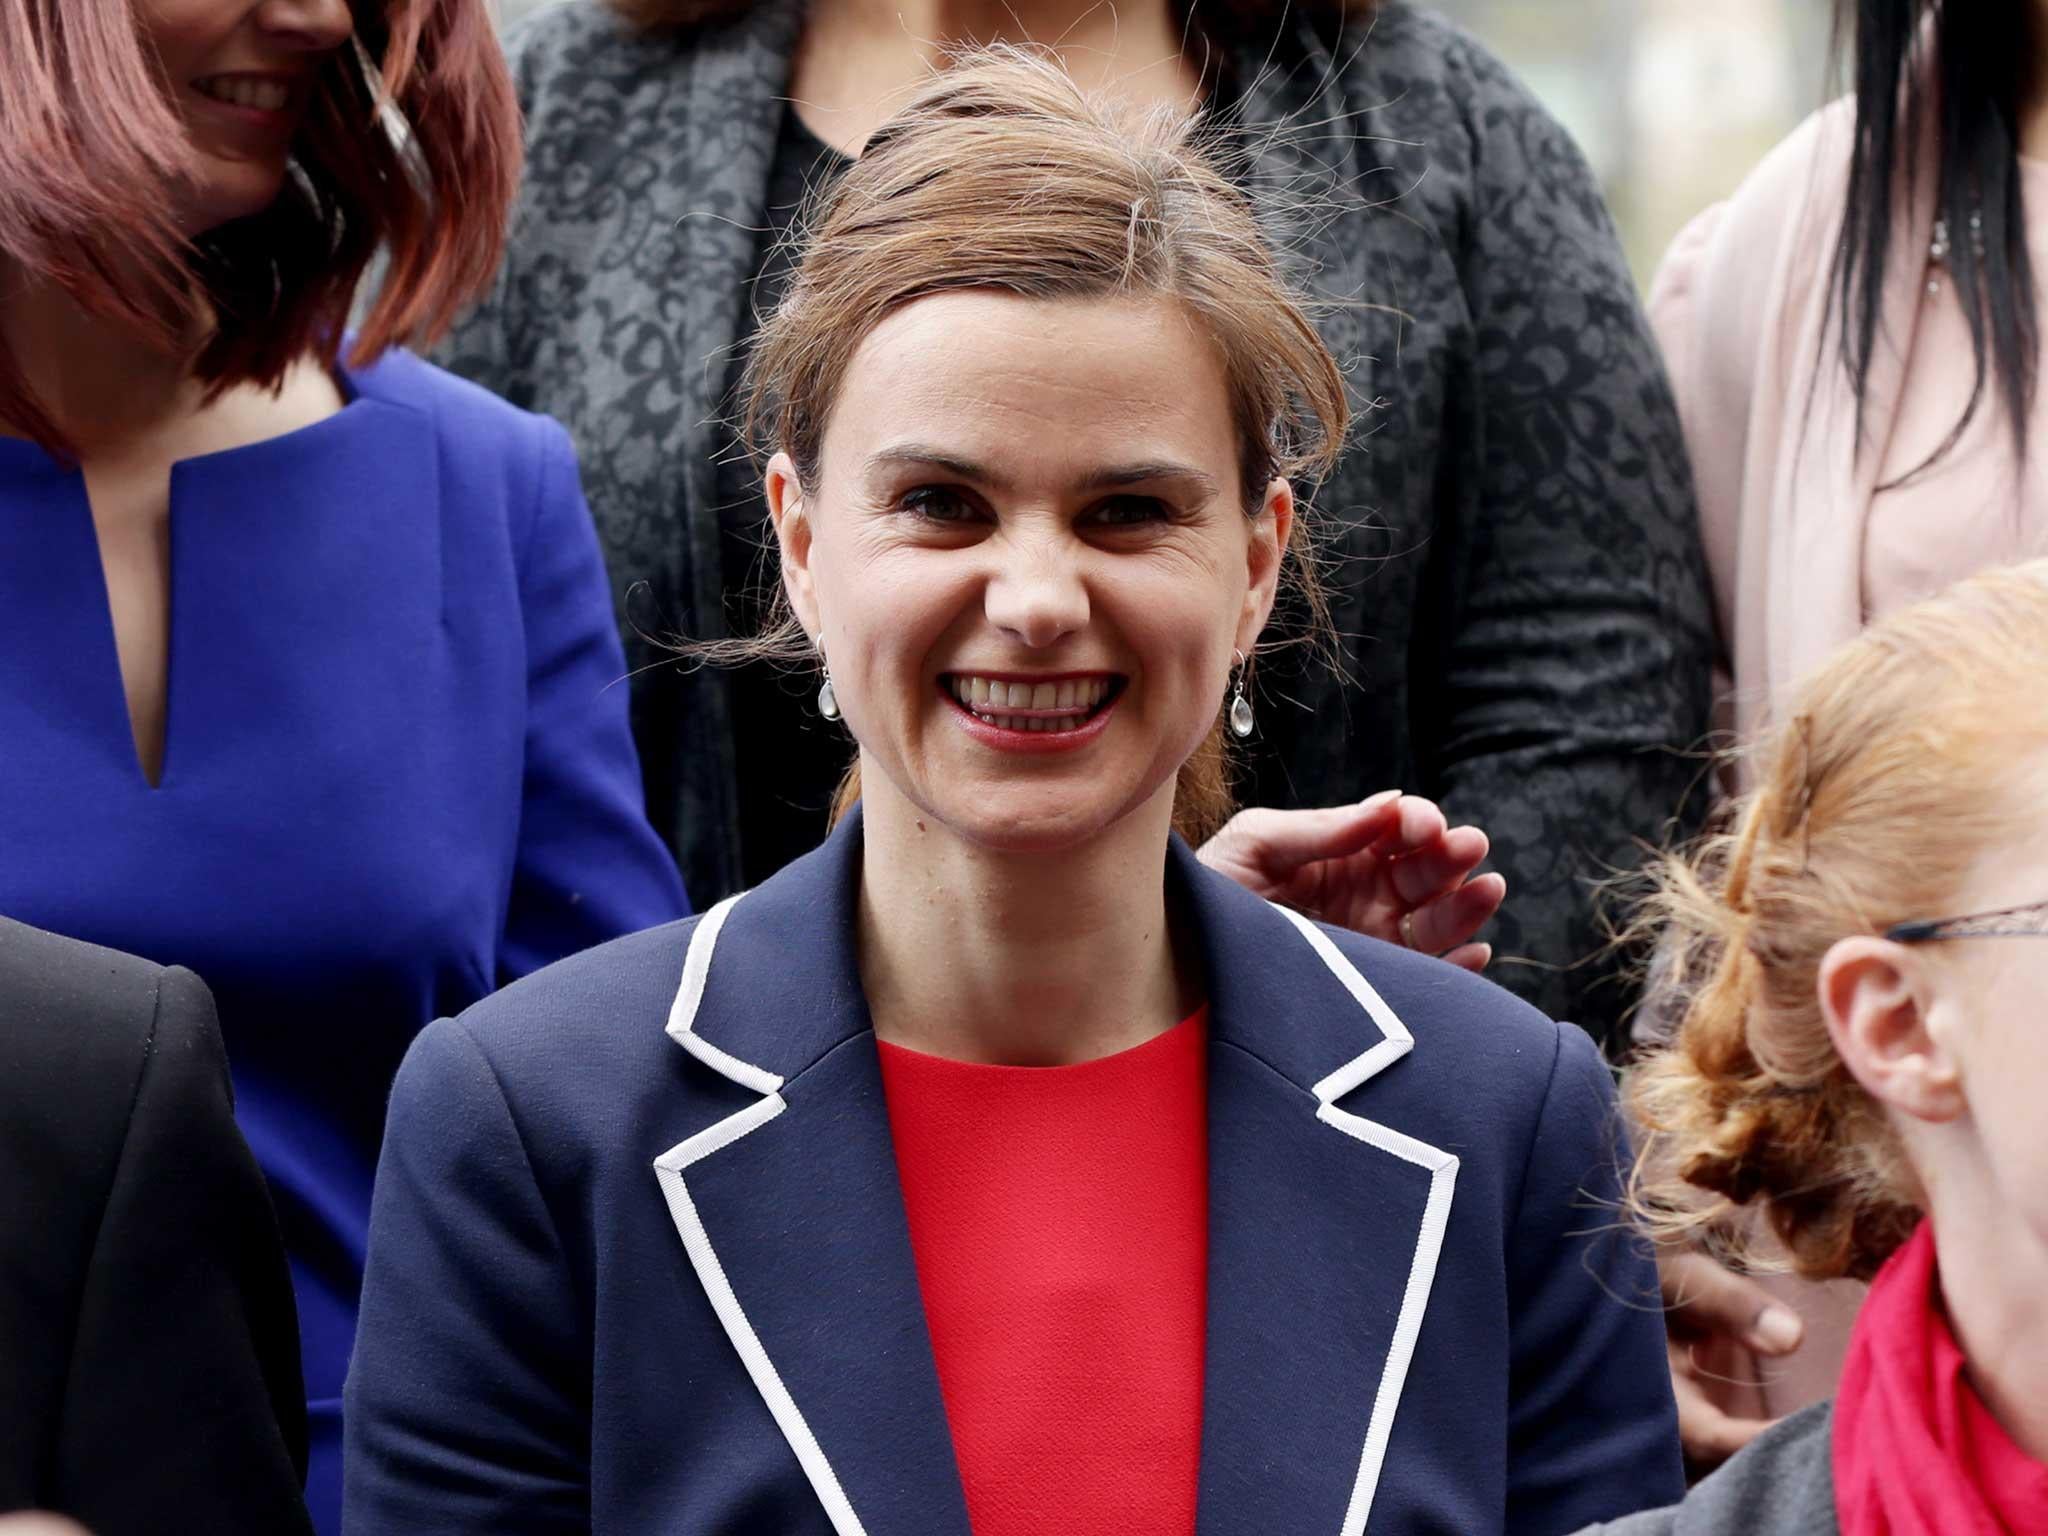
(243, 91)
(991, 699)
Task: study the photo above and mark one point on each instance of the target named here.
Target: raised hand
(1390, 867)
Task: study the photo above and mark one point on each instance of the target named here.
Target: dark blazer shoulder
(128, 1197)
(47, 975)
(1461, 1021)
(76, 1022)
(570, 1045)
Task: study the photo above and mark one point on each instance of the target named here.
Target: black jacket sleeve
(171, 1397)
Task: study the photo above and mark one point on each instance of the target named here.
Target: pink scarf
(1916, 1452)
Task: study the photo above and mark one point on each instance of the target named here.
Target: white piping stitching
(682, 1210)
(1436, 1211)
(682, 1013)
(704, 1258)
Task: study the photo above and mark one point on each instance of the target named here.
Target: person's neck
(1019, 959)
(859, 58)
(99, 381)
(1994, 1287)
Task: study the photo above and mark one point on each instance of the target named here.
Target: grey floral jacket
(1514, 554)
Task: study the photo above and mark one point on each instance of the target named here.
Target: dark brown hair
(411, 146)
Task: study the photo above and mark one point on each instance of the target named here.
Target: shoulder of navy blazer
(1408, 1324)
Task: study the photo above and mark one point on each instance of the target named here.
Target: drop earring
(828, 701)
(1241, 721)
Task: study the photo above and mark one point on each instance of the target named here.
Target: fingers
(1425, 856)
(1471, 957)
(1703, 1299)
(1450, 920)
(1279, 842)
(1708, 1432)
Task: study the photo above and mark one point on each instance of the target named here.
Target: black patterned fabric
(1514, 550)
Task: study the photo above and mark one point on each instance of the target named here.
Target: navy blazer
(639, 1263)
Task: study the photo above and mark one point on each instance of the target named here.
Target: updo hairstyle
(1895, 770)
(1003, 175)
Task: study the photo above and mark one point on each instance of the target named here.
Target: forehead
(995, 377)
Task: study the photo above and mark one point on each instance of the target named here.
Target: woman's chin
(1035, 822)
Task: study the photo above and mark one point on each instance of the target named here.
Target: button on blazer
(639, 1262)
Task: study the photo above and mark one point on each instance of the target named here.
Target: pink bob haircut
(411, 145)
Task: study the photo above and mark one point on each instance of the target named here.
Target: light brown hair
(417, 155)
(1892, 774)
(1002, 174)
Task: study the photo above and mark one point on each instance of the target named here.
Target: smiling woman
(997, 1167)
(1179, 327)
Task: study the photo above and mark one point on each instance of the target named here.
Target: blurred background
(1672, 100)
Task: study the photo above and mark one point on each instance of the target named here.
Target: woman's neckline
(1114, 1061)
(345, 378)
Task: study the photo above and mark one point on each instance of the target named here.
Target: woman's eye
(937, 504)
(1130, 511)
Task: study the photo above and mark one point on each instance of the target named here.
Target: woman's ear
(1269, 533)
(1877, 996)
(786, 510)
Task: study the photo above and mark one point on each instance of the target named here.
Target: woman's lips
(1033, 714)
(265, 100)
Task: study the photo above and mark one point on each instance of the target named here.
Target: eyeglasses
(2028, 922)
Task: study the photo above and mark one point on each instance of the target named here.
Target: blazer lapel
(791, 1211)
(1324, 1225)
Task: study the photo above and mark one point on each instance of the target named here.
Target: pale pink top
(1803, 546)
(1979, 504)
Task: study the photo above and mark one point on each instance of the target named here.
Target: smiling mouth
(253, 92)
(1054, 706)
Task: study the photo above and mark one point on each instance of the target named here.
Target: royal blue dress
(397, 769)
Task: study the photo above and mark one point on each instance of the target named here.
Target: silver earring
(828, 701)
(1241, 722)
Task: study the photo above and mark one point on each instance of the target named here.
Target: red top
(1915, 1451)
(1059, 1217)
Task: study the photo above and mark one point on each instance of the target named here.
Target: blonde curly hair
(1889, 778)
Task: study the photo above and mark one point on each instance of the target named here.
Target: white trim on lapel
(1395, 1043)
(682, 1013)
(668, 1169)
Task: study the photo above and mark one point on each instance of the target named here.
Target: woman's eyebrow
(1144, 471)
(1148, 472)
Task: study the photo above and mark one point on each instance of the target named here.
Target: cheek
(184, 33)
(884, 609)
(2006, 1074)
(1178, 611)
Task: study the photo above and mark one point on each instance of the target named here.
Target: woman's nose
(311, 24)
(1037, 593)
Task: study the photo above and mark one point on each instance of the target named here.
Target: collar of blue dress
(1325, 1225)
